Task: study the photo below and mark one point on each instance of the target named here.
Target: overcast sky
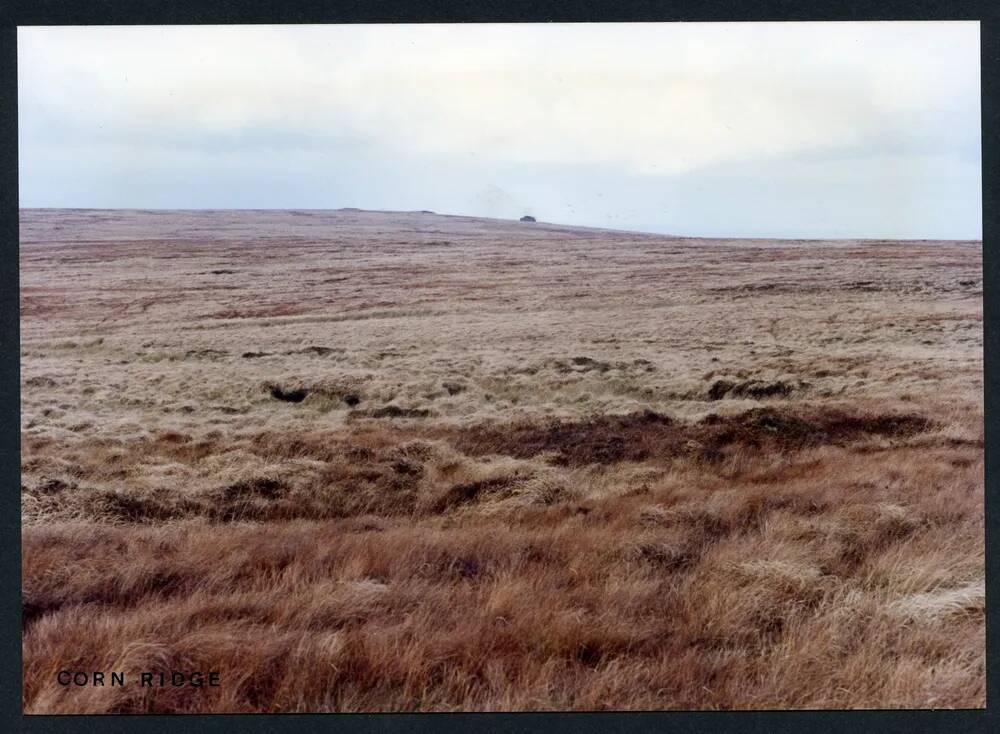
(783, 129)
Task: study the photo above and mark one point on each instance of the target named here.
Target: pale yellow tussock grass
(931, 606)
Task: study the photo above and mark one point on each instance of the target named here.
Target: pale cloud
(467, 115)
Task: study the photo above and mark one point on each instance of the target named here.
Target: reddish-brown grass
(409, 471)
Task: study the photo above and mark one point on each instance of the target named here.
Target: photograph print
(501, 367)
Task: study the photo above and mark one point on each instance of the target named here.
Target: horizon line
(810, 238)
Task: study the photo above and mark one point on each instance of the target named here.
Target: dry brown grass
(360, 462)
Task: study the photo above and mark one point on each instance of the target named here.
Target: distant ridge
(539, 225)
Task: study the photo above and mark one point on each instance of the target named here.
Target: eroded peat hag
(441, 463)
(412, 470)
(652, 436)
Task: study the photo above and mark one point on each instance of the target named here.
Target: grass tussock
(406, 575)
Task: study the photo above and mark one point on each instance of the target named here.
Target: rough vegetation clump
(749, 389)
(649, 435)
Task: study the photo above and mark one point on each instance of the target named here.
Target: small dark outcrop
(527, 218)
(755, 389)
(289, 396)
